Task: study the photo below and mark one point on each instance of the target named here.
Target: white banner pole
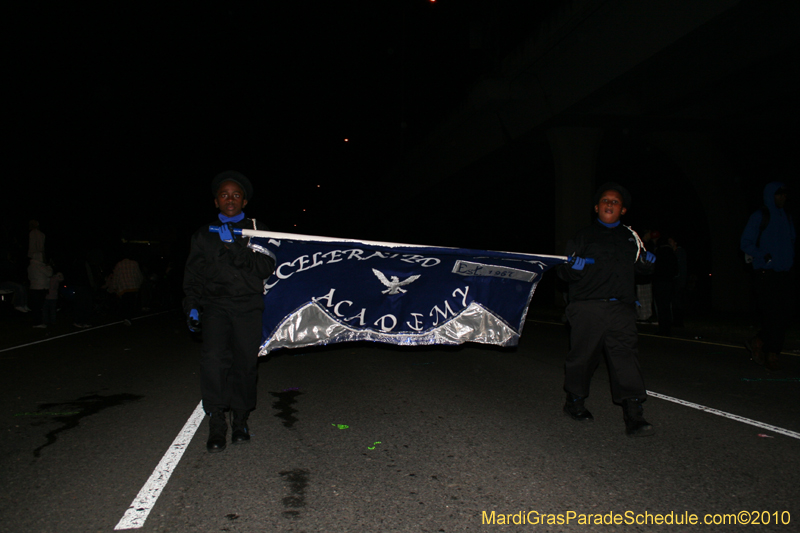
(299, 237)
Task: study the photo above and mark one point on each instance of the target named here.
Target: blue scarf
(614, 225)
(237, 218)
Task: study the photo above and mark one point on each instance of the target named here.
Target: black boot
(240, 431)
(218, 430)
(635, 424)
(574, 407)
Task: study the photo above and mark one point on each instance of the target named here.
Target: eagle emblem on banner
(394, 284)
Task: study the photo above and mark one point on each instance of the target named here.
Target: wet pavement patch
(74, 411)
(283, 404)
(297, 480)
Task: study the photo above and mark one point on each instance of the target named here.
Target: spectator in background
(19, 295)
(97, 271)
(170, 287)
(768, 241)
(35, 241)
(125, 281)
(644, 284)
(50, 306)
(9, 281)
(79, 276)
(39, 276)
(681, 281)
(664, 273)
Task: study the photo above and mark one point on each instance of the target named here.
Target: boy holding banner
(602, 312)
(224, 280)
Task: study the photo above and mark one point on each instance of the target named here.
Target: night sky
(120, 115)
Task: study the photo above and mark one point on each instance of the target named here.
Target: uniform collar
(614, 225)
(237, 218)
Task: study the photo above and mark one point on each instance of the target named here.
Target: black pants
(129, 305)
(775, 294)
(663, 292)
(82, 305)
(229, 357)
(36, 299)
(604, 328)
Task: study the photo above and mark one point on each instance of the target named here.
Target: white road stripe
(59, 336)
(717, 412)
(76, 332)
(143, 503)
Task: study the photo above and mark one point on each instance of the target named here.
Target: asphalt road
(368, 437)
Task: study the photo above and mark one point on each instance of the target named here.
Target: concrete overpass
(683, 75)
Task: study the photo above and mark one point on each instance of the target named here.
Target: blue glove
(578, 263)
(649, 257)
(193, 321)
(226, 233)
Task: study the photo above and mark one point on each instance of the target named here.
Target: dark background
(123, 114)
(120, 115)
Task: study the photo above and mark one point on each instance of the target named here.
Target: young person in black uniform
(224, 281)
(602, 312)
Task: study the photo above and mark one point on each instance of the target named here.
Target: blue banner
(328, 292)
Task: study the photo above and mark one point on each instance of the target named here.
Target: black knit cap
(236, 177)
(612, 186)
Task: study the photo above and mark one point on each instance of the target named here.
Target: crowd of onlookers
(120, 280)
(86, 285)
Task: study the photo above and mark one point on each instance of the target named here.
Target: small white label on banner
(468, 268)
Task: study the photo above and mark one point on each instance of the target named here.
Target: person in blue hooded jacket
(768, 242)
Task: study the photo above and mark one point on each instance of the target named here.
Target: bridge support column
(709, 170)
(575, 161)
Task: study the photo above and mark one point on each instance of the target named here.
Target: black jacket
(666, 267)
(216, 269)
(615, 264)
